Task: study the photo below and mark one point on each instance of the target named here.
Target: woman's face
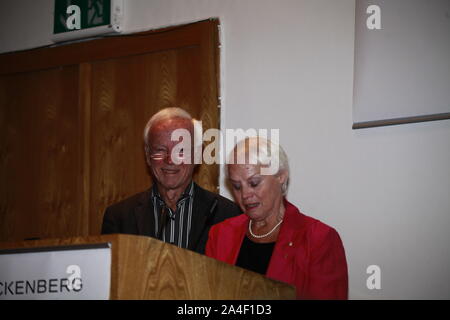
(259, 196)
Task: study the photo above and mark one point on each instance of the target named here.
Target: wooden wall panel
(40, 169)
(126, 93)
(72, 119)
(117, 161)
(208, 176)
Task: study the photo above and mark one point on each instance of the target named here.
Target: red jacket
(308, 254)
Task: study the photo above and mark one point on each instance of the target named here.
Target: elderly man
(174, 209)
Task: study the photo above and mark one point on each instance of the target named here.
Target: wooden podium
(146, 268)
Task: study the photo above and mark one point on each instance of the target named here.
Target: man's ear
(147, 155)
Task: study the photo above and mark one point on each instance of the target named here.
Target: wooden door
(72, 120)
(40, 191)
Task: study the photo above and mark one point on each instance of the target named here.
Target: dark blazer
(135, 216)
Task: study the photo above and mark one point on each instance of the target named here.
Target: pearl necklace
(262, 235)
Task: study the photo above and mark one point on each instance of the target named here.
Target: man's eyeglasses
(162, 155)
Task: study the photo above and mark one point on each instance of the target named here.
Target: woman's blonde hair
(263, 152)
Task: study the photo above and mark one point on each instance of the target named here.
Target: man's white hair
(171, 113)
(260, 151)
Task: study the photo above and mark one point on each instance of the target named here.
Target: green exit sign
(84, 18)
(72, 15)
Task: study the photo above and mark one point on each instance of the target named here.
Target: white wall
(288, 64)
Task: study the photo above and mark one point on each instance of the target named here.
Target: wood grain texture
(106, 48)
(72, 119)
(146, 268)
(126, 93)
(40, 167)
(84, 103)
(209, 100)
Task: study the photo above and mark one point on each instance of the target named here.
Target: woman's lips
(251, 206)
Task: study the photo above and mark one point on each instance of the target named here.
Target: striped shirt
(176, 226)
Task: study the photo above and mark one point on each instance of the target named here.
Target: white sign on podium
(71, 272)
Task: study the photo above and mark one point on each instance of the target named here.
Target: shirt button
(290, 244)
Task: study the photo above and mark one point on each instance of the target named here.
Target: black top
(135, 215)
(255, 256)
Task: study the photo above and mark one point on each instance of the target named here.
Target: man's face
(168, 175)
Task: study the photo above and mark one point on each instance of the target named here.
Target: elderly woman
(273, 237)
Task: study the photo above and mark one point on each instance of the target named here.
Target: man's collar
(187, 193)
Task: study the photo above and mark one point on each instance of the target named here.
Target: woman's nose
(246, 192)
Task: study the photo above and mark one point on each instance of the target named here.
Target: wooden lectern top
(146, 268)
